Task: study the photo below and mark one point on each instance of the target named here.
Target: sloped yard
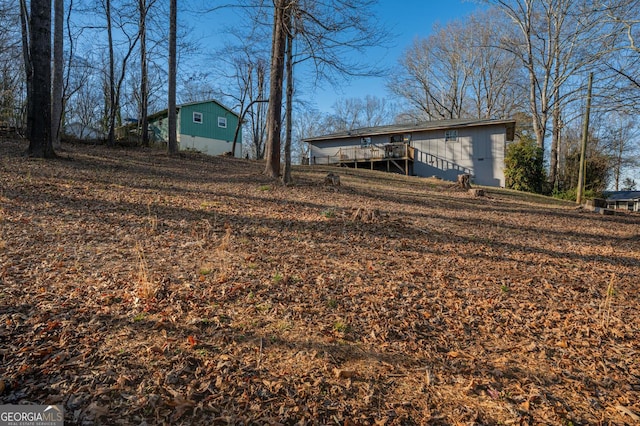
(141, 289)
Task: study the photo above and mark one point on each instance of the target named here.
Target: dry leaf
(512, 282)
(625, 410)
(192, 340)
(344, 374)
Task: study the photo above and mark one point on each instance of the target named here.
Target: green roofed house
(208, 127)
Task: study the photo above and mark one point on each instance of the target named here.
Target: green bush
(571, 194)
(524, 166)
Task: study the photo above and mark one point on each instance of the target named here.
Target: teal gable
(208, 120)
(208, 127)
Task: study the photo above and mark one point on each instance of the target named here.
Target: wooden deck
(396, 157)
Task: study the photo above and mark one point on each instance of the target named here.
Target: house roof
(414, 127)
(623, 196)
(165, 111)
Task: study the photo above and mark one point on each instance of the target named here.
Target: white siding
(207, 146)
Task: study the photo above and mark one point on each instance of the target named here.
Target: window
(450, 135)
(365, 142)
(222, 122)
(197, 117)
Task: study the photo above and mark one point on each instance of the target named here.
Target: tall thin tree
(274, 113)
(172, 145)
(26, 57)
(144, 74)
(111, 118)
(57, 101)
(40, 106)
(286, 175)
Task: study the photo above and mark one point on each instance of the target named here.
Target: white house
(444, 148)
(624, 200)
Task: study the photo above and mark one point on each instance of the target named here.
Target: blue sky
(404, 20)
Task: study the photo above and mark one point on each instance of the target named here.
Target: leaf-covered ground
(138, 289)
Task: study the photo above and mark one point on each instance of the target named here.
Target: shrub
(524, 166)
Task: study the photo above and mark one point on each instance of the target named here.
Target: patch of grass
(225, 242)
(605, 307)
(505, 288)
(340, 326)
(328, 213)
(152, 219)
(263, 307)
(277, 278)
(264, 188)
(205, 271)
(140, 317)
(332, 303)
(283, 326)
(146, 288)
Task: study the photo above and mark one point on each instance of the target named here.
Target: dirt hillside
(136, 288)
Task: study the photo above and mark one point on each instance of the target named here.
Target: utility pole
(583, 150)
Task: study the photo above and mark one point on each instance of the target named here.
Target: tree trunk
(557, 108)
(172, 146)
(112, 79)
(58, 74)
(40, 31)
(556, 133)
(258, 117)
(144, 77)
(286, 176)
(464, 181)
(28, 66)
(274, 113)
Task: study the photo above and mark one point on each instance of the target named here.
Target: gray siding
(478, 150)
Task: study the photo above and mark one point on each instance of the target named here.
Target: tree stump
(464, 181)
(332, 179)
(476, 192)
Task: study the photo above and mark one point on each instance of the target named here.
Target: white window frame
(222, 122)
(451, 135)
(198, 117)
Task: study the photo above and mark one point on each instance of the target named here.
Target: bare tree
(496, 75)
(274, 113)
(557, 41)
(28, 64)
(241, 71)
(12, 75)
(40, 54)
(128, 36)
(623, 62)
(353, 113)
(325, 33)
(286, 175)
(308, 122)
(622, 135)
(57, 102)
(172, 146)
(460, 71)
(144, 74)
(434, 79)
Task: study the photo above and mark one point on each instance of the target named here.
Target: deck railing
(399, 151)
